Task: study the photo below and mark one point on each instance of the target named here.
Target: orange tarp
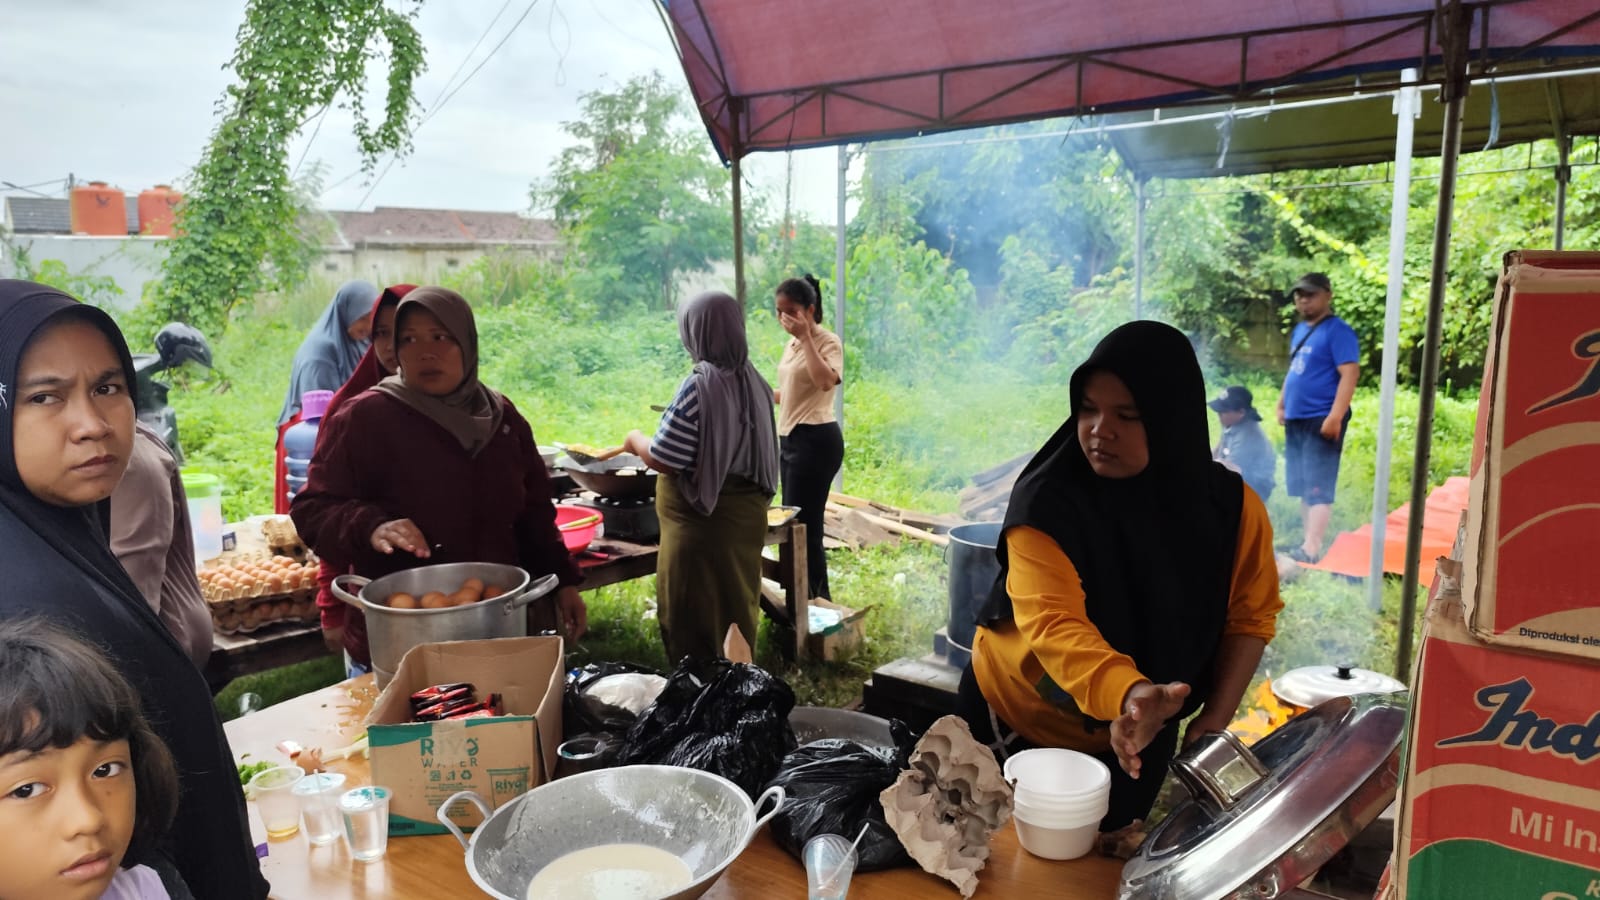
(1351, 553)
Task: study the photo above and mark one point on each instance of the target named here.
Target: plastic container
(1053, 778)
(301, 439)
(158, 210)
(578, 539)
(1059, 798)
(97, 208)
(319, 806)
(1057, 839)
(204, 494)
(830, 860)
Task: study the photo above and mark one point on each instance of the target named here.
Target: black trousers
(809, 457)
(1130, 798)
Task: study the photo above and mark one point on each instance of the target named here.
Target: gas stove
(625, 520)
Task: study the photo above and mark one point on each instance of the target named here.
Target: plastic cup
(275, 801)
(319, 806)
(366, 821)
(830, 860)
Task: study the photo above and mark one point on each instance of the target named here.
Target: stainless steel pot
(602, 478)
(391, 632)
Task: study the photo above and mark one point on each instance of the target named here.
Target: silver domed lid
(1308, 686)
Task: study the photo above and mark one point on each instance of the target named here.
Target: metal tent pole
(1407, 106)
(1563, 178)
(838, 302)
(736, 152)
(1454, 94)
(1138, 246)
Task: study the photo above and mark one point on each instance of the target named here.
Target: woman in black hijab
(1137, 579)
(66, 430)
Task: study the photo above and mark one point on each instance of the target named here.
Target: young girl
(86, 788)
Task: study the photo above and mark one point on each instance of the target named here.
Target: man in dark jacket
(1244, 447)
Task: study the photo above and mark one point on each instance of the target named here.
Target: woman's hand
(574, 613)
(1145, 712)
(401, 534)
(638, 443)
(1206, 721)
(795, 325)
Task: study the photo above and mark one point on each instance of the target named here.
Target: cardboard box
(500, 758)
(839, 639)
(1535, 491)
(1501, 794)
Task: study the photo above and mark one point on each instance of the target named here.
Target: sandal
(1299, 555)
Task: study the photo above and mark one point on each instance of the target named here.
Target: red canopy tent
(777, 76)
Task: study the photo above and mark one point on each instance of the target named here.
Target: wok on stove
(604, 477)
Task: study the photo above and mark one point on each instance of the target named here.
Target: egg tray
(245, 615)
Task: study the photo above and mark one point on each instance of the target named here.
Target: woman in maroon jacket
(430, 466)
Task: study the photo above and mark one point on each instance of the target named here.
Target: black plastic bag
(832, 787)
(730, 719)
(582, 713)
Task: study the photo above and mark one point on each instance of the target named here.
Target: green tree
(639, 196)
(241, 229)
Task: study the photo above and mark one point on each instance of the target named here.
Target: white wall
(130, 261)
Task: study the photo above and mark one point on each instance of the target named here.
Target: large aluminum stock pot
(391, 632)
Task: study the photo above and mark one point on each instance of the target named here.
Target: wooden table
(790, 607)
(233, 655)
(432, 867)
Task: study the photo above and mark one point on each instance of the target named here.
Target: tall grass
(912, 439)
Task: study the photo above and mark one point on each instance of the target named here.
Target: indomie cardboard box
(500, 758)
(1501, 794)
(1535, 495)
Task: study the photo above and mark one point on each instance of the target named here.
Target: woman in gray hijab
(333, 346)
(717, 452)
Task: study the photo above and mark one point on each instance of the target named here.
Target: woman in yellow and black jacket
(1138, 584)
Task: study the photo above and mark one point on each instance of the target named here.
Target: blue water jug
(301, 439)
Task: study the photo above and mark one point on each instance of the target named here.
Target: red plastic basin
(578, 538)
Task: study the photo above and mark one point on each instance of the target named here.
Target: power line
(468, 58)
(29, 188)
(448, 97)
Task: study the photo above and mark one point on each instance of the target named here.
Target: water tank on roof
(158, 208)
(97, 208)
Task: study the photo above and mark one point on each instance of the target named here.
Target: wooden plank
(941, 540)
(867, 531)
(847, 500)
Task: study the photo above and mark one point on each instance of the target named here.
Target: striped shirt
(677, 440)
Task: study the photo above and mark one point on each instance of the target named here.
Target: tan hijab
(471, 412)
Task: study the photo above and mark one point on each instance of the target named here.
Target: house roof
(411, 225)
(392, 225)
(51, 215)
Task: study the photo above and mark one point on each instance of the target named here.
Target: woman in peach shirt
(1138, 584)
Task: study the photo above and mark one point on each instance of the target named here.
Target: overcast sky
(125, 92)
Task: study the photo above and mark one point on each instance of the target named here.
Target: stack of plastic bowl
(1060, 798)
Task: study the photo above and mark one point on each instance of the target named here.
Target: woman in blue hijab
(333, 347)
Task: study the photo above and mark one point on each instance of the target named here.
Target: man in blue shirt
(1314, 408)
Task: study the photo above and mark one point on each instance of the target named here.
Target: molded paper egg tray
(247, 594)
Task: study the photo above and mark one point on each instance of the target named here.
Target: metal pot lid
(1262, 820)
(1308, 686)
